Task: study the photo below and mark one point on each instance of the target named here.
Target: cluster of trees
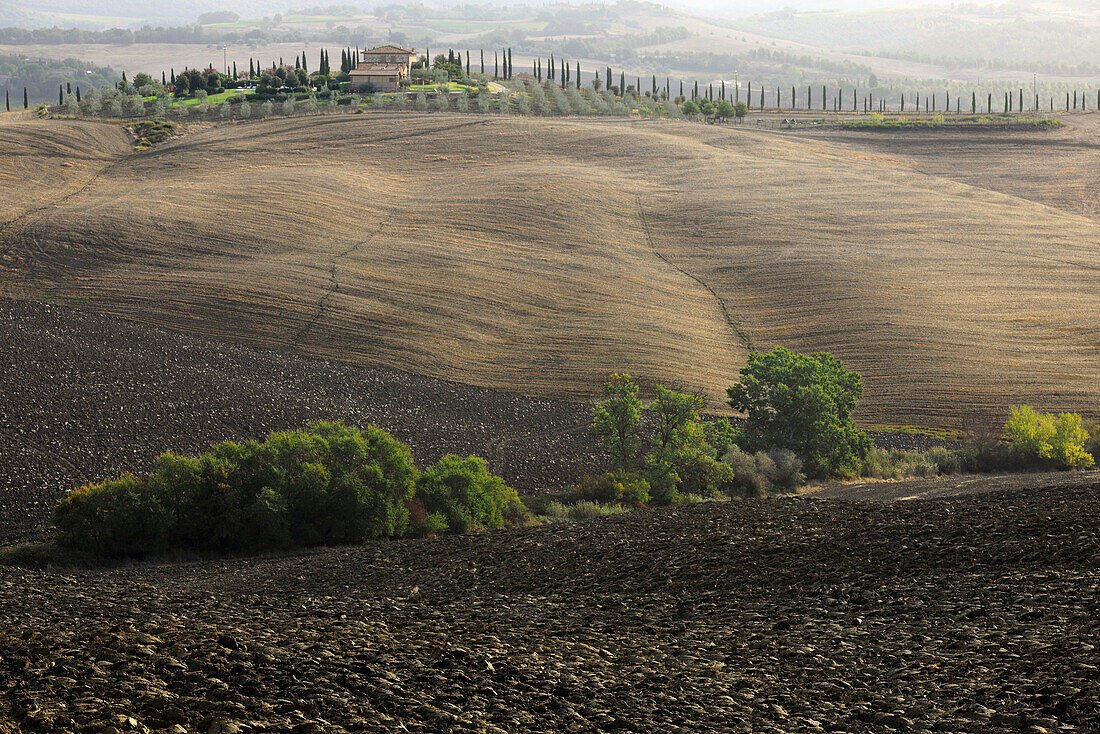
(1051, 441)
(112, 36)
(38, 80)
(723, 110)
(798, 410)
(328, 484)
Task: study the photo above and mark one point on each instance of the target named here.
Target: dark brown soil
(970, 615)
(87, 397)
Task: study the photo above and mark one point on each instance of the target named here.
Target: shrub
(787, 469)
(1047, 440)
(1093, 444)
(746, 480)
(623, 488)
(467, 495)
(118, 518)
(585, 510)
(945, 460)
(327, 484)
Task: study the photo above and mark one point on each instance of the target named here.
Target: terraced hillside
(538, 255)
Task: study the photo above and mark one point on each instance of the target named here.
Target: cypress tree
(77, 93)
(251, 69)
(681, 87)
(695, 92)
(60, 95)
(989, 104)
(550, 67)
(68, 88)
(234, 70)
(579, 79)
(482, 61)
(749, 97)
(7, 101)
(822, 97)
(622, 82)
(467, 63)
(496, 66)
(538, 70)
(638, 85)
(297, 62)
(510, 69)
(794, 99)
(974, 103)
(25, 103)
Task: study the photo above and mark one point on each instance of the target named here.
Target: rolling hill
(537, 255)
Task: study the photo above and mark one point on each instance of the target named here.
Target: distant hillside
(537, 255)
(42, 76)
(998, 36)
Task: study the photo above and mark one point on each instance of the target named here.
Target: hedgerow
(328, 484)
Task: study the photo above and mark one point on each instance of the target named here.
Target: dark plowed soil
(86, 397)
(971, 615)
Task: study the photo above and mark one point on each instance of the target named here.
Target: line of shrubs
(328, 484)
(799, 419)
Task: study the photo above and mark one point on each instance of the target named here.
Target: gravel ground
(87, 397)
(978, 614)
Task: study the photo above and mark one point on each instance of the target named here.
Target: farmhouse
(382, 69)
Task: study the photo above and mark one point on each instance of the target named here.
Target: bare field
(536, 255)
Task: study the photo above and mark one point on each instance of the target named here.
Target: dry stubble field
(537, 255)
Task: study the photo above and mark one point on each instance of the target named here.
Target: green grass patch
(882, 122)
(451, 86)
(151, 132)
(941, 434)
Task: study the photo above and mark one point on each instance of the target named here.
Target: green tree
(615, 420)
(690, 108)
(803, 403)
(740, 110)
